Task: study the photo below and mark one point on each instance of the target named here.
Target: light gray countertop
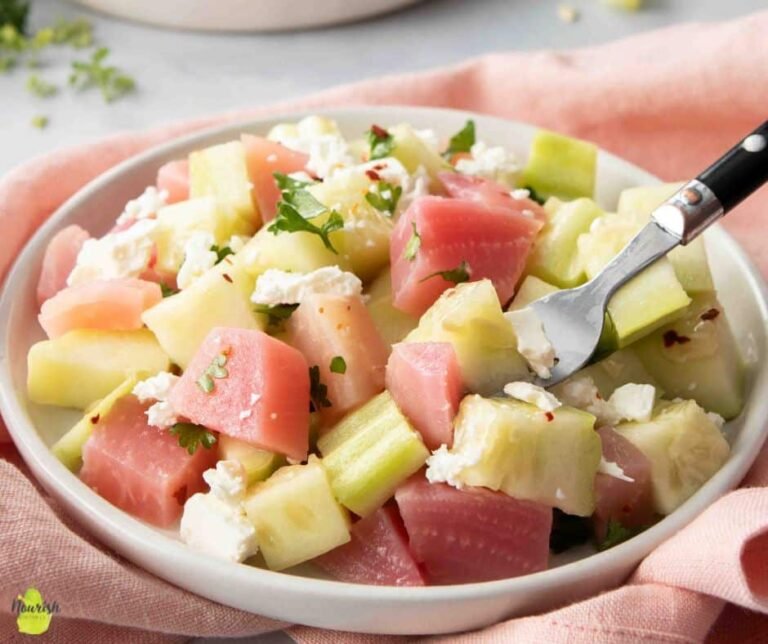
(183, 74)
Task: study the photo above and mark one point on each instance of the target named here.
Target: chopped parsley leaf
(39, 87)
(381, 142)
(112, 82)
(617, 533)
(192, 436)
(386, 198)
(318, 392)
(166, 290)
(456, 275)
(289, 184)
(463, 140)
(290, 220)
(217, 369)
(534, 196)
(338, 365)
(221, 252)
(276, 313)
(76, 33)
(413, 245)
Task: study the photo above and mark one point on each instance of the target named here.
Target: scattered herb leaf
(276, 313)
(289, 184)
(318, 392)
(166, 290)
(290, 220)
(386, 198)
(76, 33)
(413, 245)
(15, 14)
(40, 122)
(112, 82)
(192, 436)
(338, 365)
(462, 141)
(456, 275)
(40, 87)
(534, 196)
(217, 369)
(381, 142)
(221, 252)
(617, 533)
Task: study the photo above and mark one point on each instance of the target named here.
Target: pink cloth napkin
(669, 101)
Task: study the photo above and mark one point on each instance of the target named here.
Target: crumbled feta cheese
(633, 402)
(227, 481)
(532, 394)
(161, 415)
(327, 152)
(157, 387)
(217, 528)
(429, 138)
(198, 258)
(414, 186)
(490, 162)
(532, 342)
(281, 287)
(144, 206)
(521, 193)
(716, 418)
(444, 466)
(612, 469)
(117, 255)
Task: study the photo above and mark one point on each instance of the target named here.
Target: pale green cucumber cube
(299, 252)
(392, 323)
(531, 289)
(561, 166)
(258, 464)
(412, 152)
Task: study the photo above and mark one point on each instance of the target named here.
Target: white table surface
(183, 75)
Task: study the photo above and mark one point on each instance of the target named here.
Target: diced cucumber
(180, 221)
(298, 252)
(370, 453)
(221, 172)
(531, 289)
(620, 368)
(412, 152)
(392, 323)
(220, 297)
(469, 316)
(69, 448)
(295, 515)
(258, 464)
(550, 458)
(555, 254)
(84, 366)
(561, 166)
(697, 357)
(685, 449)
(690, 261)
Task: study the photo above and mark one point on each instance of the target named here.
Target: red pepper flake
(710, 315)
(373, 175)
(380, 166)
(227, 277)
(95, 419)
(379, 132)
(598, 396)
(550, 416)
(672, 337)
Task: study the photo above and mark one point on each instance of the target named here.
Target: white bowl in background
(321, 602)
(245, 15)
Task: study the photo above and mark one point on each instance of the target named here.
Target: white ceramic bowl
(321, 602)
(245, 15)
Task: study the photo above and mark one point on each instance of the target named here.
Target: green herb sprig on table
(110, 80)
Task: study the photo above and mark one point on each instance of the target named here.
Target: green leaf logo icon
(34, 616)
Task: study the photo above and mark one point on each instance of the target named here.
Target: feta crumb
(327, 152)
(495, 163)
(521, 193)
(414, 186)
(158, 388)
(633, 402)
(532, 342)
(217, 528)
(281, 287)
(444, 466)
(612, 469)
(532, 394)
(144, 206)
(161, 415)
(116, 255)
(716, 418)
(198, 258)
(227, 481)
(429, 138)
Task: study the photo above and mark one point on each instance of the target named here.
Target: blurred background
(181, 74)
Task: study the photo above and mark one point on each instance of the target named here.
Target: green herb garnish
(39, 87)
(456, 275)
(534, 196)
(112, 82)
(318, 392)
(15, 14)
(290, 220)
(289, 184)
(40, 122)
(221, 252)
(617, 533)
(462, 141)
(386, 198)
(76, 33)
(217, 369)
(381, 142)
(338, 365)
(192, 436)
(166, 290)
(276, 313)
(413, 245)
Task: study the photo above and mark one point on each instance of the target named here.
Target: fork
(573, 319)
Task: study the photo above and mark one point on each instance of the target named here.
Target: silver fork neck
(688, 212)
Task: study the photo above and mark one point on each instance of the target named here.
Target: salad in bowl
(302, 348)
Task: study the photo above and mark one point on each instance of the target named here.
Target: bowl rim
(118, 525)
